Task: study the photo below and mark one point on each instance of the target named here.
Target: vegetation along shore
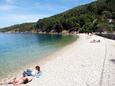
(98, 16)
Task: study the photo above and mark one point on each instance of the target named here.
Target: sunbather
(17, 81)
(35, 72)
(94, 41)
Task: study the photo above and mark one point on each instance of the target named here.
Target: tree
(57, 27)
(89, 17)
(107, 14)
(104, 27)
(113, 15)
(76, 26)
(88, 27)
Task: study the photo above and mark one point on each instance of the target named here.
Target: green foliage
(88, 27)
(104, 27)
(85, 18)
(57, 27)
(19, 27)
(107, 14)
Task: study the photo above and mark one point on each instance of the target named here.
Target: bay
(19, 49)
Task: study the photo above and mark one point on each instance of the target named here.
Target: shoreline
(41, 61)
(80, 63)
(109, 36)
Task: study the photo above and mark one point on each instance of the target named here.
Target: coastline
(41, 61)
(80, 63)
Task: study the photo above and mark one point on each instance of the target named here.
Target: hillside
(19, 28)
(96, 16)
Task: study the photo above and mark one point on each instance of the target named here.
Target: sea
(20, 49)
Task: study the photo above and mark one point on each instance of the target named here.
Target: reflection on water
(17, 50)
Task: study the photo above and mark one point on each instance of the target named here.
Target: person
(17, 81)
(34, 73)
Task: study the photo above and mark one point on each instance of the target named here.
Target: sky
(21, 11)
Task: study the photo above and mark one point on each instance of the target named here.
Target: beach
(80, 63)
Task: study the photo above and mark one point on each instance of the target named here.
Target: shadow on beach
(112, 60)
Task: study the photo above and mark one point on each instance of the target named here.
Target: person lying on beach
(17, 81)
(34, 73)
(94, 41)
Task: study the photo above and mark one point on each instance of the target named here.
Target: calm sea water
(17, 50)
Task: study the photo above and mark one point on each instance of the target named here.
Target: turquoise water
(19, 49)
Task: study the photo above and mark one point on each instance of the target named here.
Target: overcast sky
(20, 11)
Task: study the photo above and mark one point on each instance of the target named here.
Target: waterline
(17, 50)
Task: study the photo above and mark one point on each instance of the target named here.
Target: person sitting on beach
(17, 81)
(34, 73)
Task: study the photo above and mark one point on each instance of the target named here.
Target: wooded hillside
(96, 16)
